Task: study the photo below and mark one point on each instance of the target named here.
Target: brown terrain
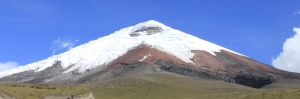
(224, 66)
(81, 96)
(139, 53)
(88, 95)
(5, 96)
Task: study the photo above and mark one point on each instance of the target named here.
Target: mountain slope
(153, 45)
(170, 86)
(105, 49)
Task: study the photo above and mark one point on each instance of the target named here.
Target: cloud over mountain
(8, 65)
(63, 43)
(289, 57)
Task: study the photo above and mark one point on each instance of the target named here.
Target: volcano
(147, 48)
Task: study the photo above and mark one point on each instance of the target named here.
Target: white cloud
(289, 59)
(8, 65)
(66, 43)
(298, 12)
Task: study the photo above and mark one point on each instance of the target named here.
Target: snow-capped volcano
(161, 47)
(104, 50)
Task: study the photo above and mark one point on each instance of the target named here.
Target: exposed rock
(225, 66)
(88, 95)
(147, 30)
(243, 79)
(252, 81)
(177, 69)
(35, 77)
(139, 53)
(5, 96)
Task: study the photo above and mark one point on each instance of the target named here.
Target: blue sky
(32, 30)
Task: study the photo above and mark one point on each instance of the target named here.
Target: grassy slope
(165, 86)
(287, 93)
(29, 91)
(284, 83)
(159, 86)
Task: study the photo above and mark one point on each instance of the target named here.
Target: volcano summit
(147, 48)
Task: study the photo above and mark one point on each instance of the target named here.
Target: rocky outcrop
(148, 30)
(240, 78)
(252, 81)
(5, 96)
(139, 53)
(88, 95)
(224, 66)
(35, 77)
(177, 69)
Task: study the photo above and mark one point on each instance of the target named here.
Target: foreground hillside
(30, 91)
(153, 86)
(170, 86)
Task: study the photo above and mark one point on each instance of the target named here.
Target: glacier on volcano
(101, 52)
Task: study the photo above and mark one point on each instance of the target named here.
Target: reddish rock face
(206, 61)
(223, 62)
(146, 54)
(224, 66)
(251, 63)
(255, 65)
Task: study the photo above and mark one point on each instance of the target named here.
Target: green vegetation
(289, 93)
(29, 91)
(157, 86)
(162, 86)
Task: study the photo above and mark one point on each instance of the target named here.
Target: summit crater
(148, 28)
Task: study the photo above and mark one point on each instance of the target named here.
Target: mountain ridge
(147, 48)
(91, 49)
